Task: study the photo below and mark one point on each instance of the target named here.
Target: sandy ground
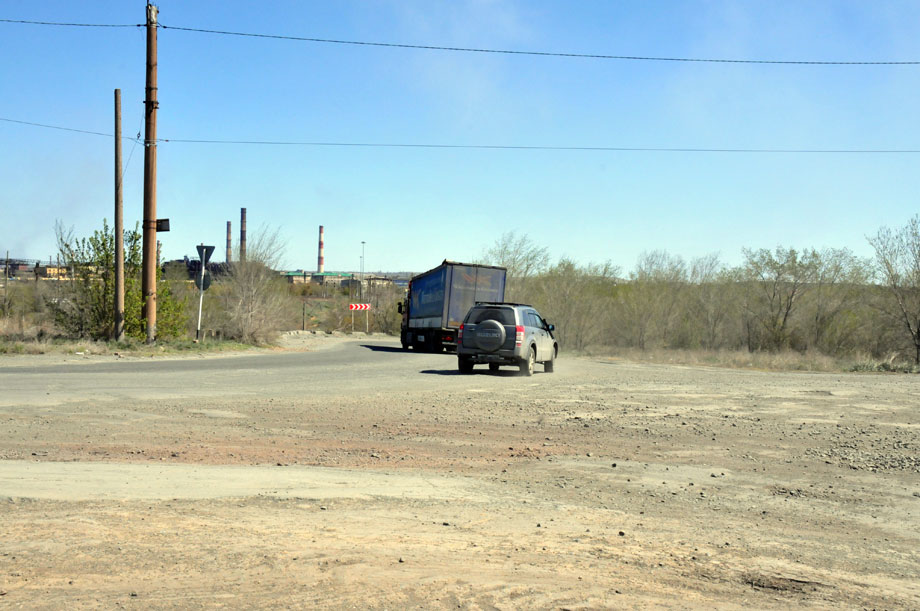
(397, 483)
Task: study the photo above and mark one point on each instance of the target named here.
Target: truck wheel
(465, 365)
(527, 364)
(548, 365)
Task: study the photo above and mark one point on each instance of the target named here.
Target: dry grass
(29, 334)
(32, 339)
(126, 348)
(763, 361)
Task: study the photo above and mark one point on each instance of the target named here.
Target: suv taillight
(460, 335)
(519, 335)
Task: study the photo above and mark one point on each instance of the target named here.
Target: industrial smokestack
(229, 243)
(242, 235)
(320, 262)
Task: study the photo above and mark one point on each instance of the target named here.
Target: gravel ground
(398, 483)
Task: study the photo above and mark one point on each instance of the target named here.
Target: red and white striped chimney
(320, 262)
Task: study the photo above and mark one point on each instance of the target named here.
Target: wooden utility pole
(149, 276)
(119, 333)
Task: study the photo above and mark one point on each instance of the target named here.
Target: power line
(136, 140)
(78, 25)
(547, 53)
(645, 58)
(66, 129)
(505, 147)
(509, 147)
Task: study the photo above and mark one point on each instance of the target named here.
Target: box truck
(438, 299)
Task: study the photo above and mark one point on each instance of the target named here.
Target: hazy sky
(416, 206)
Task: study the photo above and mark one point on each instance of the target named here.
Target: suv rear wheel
(527, 364)
(489, 335)
(465, 365)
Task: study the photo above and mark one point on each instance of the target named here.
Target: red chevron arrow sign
(359, 306)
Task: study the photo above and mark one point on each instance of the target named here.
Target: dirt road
(354, 475)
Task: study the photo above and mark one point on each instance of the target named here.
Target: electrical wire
(510, 147)
(66, 129)
(645, 58)
(505, 147)
(546, 53)
(78, 25)
(136, 140)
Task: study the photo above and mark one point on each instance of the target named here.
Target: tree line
(250, 303)
(812, 301)
(829, 301)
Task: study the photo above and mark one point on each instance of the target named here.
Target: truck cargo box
(438, 300)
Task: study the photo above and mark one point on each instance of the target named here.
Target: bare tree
(575, 299)
(778, 280)
(338, 317)
(518, 254)
(897, 254)
(256, 300)
(838, 288)
(647, 305)
(709, 304)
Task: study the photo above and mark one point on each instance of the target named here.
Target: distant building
(18, 268)
(373, 282)
(327, 279)
(369, 283)
(331, 279)
(298, 277)
(52, 272)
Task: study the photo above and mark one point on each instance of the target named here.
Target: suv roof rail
(503, 303)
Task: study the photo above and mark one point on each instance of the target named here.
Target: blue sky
(415, 206)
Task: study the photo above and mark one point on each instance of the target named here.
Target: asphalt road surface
(358, 366)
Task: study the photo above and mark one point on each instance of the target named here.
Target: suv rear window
(503, 315)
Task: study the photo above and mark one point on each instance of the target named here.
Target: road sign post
(202, 280)
(360, 306)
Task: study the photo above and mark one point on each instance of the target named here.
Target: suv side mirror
(551, 327)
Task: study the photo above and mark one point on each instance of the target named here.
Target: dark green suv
(505, 334)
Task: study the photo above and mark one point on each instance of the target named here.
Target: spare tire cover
(490, 335)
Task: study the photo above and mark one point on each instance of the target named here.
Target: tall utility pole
(119, 333)
(149, 276)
